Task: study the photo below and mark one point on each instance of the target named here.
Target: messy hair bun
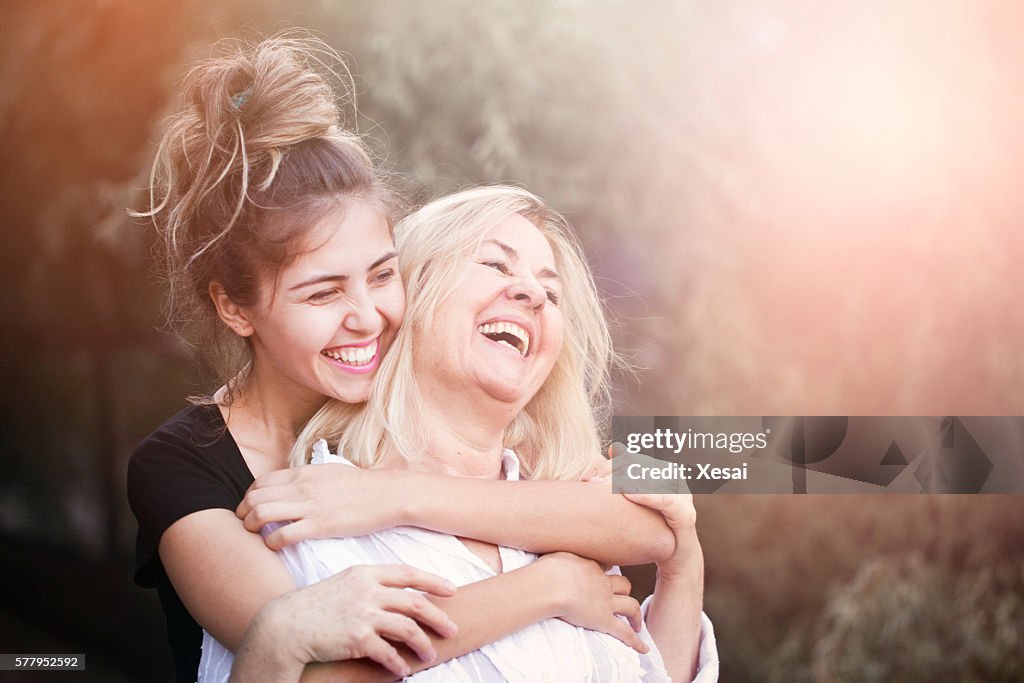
(254, 157)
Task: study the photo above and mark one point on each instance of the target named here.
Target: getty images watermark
(831, 454)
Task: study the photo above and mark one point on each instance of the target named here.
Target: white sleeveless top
(551, 650)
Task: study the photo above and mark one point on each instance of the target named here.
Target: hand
(603, 470)
(330, 500)
(350, 615)
(681, 517)
(674, 613)
(595, 598)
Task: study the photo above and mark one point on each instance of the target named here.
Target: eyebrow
(513, 255)
(318, 279)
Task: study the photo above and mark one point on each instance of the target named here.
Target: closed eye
(553, 297)
(384, 275)
(323, 296)
(499, 266)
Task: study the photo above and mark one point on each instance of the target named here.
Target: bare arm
(539, 516)
(545, 516)
(674, 613)
(290, 632)
(225, 575)
(298, 627)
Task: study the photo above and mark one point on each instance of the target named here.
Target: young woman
(502, 350)
(281, 270)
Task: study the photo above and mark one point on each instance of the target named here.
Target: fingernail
(453, 628)
(449, 586)
(428, 657)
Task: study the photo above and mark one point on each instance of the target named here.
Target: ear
(234, 316)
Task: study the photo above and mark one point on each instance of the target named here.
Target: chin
(506, 393)
(513, 392)
(350, 394)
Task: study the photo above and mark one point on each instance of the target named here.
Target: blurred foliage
(825, 588)
(792, 209)
(908, 620)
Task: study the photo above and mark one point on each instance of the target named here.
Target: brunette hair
(255, 156)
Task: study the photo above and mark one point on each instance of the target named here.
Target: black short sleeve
(190, 463)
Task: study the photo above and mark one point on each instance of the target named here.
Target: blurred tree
(906, 620)
(82, 82)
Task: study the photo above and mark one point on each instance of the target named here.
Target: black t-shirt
(190, 463)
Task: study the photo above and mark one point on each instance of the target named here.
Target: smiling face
(500, 332)
(324, 323)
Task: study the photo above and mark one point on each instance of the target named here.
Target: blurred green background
(792, 208)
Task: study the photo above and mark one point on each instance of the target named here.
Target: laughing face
(500, 332)
(321, 328)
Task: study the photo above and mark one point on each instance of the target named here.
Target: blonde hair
(558, 434)
(253, 159)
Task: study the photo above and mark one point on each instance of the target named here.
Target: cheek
(391, 305)
(553, 333)
(304, 330)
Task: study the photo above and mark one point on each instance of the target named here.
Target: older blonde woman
(500, 372)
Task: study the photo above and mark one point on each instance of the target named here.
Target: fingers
(404, 576)
(385, 654)
(620, 584)
(629, 608)
(401, 629)
(264, 513)
(655, 501)
(416, 606)
(290, 534)
(247, 504)
(279, 485)
(617, 628)
(605, 468)
(676, 508)
(255, 497)
(601, 471)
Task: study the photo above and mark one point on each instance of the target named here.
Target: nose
(528, 292)
(363, 315)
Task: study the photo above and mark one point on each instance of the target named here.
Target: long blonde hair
(558, 434)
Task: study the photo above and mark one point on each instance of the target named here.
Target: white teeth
(508, 328)
(354, 355)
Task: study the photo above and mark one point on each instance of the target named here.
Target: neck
(267, 414)
(469, 445)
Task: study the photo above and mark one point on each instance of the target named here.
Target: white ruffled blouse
(551, 650)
